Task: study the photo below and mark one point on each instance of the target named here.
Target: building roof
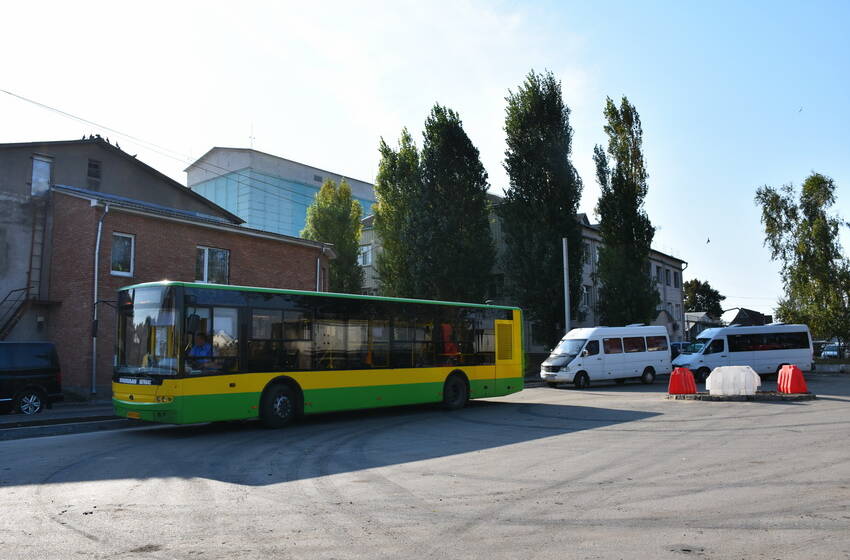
(198, 218)
(222, 171)
(103, 143)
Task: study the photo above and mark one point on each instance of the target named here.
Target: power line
(175, 155)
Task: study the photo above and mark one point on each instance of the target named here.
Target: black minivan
(30, 378)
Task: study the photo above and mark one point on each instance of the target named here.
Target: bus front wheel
(455, 393)
(702, 374)
(581, 380)
(278, 406)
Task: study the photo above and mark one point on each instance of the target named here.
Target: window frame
(132, 237)
(43, 159)
(206, 267)
(364, 255)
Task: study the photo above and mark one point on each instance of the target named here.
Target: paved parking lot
(610, 472)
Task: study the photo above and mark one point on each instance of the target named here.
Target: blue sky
(719, 88)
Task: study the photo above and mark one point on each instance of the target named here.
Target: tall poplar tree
(628, 293)
(804, 237)
(334, 217)
(397, 187)
(453, 249)
(540, 204)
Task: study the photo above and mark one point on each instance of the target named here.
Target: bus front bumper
(557, 376)
(150, 412)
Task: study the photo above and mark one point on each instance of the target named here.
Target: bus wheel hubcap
(281, 406)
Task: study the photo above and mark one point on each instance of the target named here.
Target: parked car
(677, 348)
(30, 378)
(831, 351)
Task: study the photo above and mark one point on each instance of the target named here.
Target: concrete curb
(66, 428)
(53, 421)
(759, 396)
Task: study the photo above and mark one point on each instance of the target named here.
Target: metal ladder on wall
(17, 301)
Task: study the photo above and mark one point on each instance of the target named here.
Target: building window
(123, 254)
(587, 296)
(364, 258)
(93, 177)
(676, 280)
(658, 274)
(667, 276)
(42, 171)
(212, 265)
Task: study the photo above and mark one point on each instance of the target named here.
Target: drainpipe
(94, 302)
(318, 269)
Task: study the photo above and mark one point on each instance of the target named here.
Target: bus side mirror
(585, 353)
(192, 323)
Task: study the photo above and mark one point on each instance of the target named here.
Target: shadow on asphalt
(246, 453)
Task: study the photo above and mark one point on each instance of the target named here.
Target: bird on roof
(707, 241)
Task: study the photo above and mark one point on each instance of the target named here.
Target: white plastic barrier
(733, 380)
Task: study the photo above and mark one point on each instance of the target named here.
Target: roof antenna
(251, 138)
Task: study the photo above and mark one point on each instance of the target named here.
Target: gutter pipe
(94, 301)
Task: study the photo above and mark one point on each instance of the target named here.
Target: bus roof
(753, 329)
(308, 293)
(586, 332)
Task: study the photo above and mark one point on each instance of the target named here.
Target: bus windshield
(569, 347)
(146, 332)
(696, 346)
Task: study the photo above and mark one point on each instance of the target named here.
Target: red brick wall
(164, 249)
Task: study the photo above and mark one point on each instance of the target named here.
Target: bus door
(508, 357)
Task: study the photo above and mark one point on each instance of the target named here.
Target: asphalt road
(611, 472)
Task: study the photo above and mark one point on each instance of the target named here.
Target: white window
(123, 254)
(42, 170)
(364, 258)
(212, 265)
(586, 296)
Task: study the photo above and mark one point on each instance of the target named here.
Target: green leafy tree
(334, 217)
(627, 293)
(540, 204)
(700, 296)
(804, 237)
(397, 187)
(453, 249)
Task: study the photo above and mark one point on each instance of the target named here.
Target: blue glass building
(270, 193)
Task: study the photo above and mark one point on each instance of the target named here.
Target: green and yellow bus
(189, 352)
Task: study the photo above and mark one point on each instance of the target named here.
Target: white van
(765, 349)
(604, 353)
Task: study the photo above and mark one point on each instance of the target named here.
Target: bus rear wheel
(278, 406)
(455, 393)
(648, 376)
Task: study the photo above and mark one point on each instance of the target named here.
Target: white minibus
(608, 353)
(764, 348)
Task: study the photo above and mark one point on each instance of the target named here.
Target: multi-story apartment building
(268, 192)
(665, 269)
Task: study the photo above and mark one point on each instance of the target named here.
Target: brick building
(152, 229)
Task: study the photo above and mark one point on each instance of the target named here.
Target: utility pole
(566, 289)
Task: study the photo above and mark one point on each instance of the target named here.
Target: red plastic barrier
(791, 380)
(682, 382)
